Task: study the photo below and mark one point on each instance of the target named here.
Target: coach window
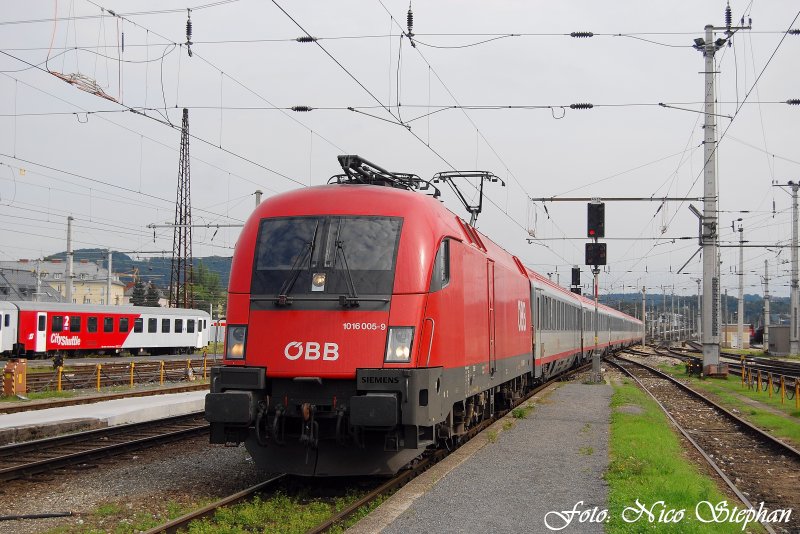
(440, 277)
(108, 324)
(57, 324)
(74, 323)
(8, 320)
(152, 325)
(42, 320)
(179, 326)
(165, 326)
(123, 324)
(138, 325)
(190, 326)
(91, 324)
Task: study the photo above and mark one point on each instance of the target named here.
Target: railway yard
(517, 321)
(162, 475)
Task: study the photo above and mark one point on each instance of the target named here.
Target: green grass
(38, 395)
(648, 465)
(117, 518)
(521, 412)
(491, 435)
(279, 513)
(728, 393)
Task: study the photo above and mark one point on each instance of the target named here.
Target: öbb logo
(295, 350)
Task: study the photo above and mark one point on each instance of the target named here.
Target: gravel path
(551, 460)
(145, 482)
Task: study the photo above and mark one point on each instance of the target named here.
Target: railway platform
(551, 461)
(25, 426)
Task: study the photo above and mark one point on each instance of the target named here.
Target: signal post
(596, 256)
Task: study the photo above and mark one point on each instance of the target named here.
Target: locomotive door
(41, 332)
(490, 295)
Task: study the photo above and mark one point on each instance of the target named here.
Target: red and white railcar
(36, 329)
(367, 323)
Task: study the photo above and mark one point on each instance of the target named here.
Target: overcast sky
(64, 151)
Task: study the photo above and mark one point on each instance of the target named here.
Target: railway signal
(596, 220)
(595, 254)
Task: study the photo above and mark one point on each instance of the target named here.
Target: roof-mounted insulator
(581, 106)
(728, 18)
(306, 39)
(410, 22)
(581, 35)
(301, 108)
(793, 101)
(794, 31)
(189, 31)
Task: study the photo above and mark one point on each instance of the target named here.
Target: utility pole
(740, 309)
(108, 281)
(726, 318)
(766, 307)
(672, 320)
(259, 192)
(699, 308)
(710, 235)
(794, 339)
(69, 259)
(38, 281)
(182, 277)
(644, 316)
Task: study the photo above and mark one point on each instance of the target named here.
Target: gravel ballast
(185, 473)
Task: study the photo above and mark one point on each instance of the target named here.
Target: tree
(152, 295)
(138, 295)
(207, 287)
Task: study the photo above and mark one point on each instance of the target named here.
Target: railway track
(757, 467)
(32, 457)
(390, 486)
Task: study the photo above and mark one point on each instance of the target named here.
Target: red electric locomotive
(368, 323)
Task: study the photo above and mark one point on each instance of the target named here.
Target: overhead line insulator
(794, 31)
(301, 108)
(306, 39)
(581, 35)
(581, 106)
(793, 101)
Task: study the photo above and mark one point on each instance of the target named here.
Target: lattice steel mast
(182, 279)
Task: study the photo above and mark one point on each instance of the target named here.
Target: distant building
(89, 280)
(21, 285)
(729, 336)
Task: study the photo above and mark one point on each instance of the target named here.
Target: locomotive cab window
(91, 324)
(58, 323)
(108, 324)
(318, 256)
(440, 276)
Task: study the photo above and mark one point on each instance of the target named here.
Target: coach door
(490, 295)
(41, 332)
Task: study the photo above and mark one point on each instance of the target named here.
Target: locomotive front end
(320, 376)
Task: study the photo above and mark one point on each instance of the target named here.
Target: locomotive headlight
(318, 282)
(398, 344)
(237, 335)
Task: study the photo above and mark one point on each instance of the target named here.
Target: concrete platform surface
(52, 421)
(549, 462)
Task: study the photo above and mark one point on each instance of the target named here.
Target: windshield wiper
(283, 298)
(351, 299)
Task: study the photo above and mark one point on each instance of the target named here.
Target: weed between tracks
(647, 464)
(280, 513)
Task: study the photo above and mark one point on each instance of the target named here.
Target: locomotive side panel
(474, 307)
